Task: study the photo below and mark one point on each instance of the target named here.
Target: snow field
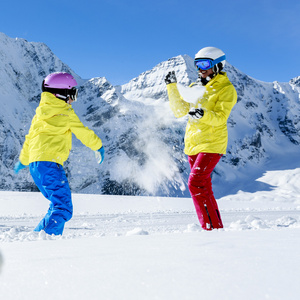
(222, 264)
(123, 247)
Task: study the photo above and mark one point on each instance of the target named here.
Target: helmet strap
(62, 97)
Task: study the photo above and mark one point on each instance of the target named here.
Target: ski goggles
(64, 94)
(207, 63)
(73, 93)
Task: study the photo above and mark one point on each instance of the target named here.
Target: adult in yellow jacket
(206, 132)
(48, 144)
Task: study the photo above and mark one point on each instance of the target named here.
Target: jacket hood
(50, 106)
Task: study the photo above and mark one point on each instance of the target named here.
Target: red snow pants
(200, 187)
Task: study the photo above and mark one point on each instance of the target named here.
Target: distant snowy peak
(295, 83)
(151, 84)
(93, 95)
(25, 65)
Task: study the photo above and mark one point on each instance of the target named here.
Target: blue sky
(121, 39)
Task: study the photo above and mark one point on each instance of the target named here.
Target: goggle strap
(216, 61)
(73, 92)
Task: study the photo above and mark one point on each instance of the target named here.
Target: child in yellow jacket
(206, 133)
(48, 144)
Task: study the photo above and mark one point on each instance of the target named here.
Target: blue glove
(19, 166)
(100, 155)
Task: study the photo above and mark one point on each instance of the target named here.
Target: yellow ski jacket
(208, 134)
(50, 134)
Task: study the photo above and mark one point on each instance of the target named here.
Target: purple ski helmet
(62, 85)
(59, 80)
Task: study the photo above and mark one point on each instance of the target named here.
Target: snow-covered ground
(119, 247)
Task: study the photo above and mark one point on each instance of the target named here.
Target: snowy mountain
(142, 138)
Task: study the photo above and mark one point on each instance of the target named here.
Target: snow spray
(191, 95)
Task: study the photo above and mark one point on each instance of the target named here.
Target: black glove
(196, 113)
(170, 78)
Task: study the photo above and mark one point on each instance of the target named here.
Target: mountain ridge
(142, 138)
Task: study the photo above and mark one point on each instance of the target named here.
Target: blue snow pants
(51, 180)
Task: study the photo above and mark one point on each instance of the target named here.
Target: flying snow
(191, 95)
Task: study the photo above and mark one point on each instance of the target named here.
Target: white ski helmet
(215, 56)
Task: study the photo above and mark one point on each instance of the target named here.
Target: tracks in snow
(20, 228)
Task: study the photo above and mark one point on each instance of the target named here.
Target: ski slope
(122, 247)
